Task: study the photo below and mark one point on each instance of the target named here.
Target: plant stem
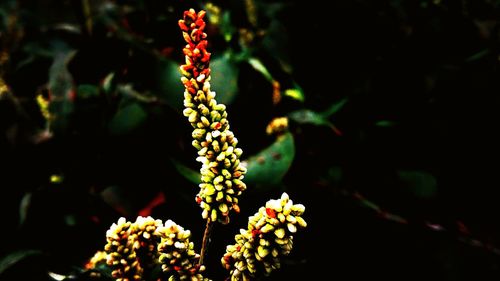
(206, 240)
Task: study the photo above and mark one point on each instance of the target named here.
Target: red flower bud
(270, 213)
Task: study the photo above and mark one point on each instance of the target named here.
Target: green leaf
(385, 123)
(118, 199)
(59, 277)
(109, 83)
(227, 29)
(86, 91)
(61, 87)
(168, 83)
(335, 175)
(307, 116)
(422, 184)
(35, 49)
(295, 93)
(277, 44)
(369, 204)
(334, 108)
(127, 118)
(224, 79)
(270, 165)
(24, 206)
(261, 68)
(477, 56)
(188, 173)
(15, 257)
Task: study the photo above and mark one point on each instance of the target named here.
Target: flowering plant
(133, 248)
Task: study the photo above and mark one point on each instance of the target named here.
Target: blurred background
(392, 144)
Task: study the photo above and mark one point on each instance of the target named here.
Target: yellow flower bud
(301, 222)
(213, 215)
(220, 196)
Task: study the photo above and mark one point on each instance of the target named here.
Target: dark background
(399, 182)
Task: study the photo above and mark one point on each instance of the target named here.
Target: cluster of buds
(269, 236)
(221, 172)
(121, 256)
(145, 240)
(177, 255)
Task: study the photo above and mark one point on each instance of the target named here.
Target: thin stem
(206, 240)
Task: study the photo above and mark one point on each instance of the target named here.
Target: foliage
(392, 136)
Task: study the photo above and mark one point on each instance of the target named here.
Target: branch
(206, 240)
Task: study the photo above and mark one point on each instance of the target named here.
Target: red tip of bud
(227, 258)
(177, 268)
(191, 14)
(182, 25)
(236, 208)
(198, 199)
(255, 232)
(270, 213)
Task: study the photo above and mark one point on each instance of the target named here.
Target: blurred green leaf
(477, 56)
(385, 123)
(224, 79)
(188, 173)
(117, 198)
(335, 174)
(270, 165)
(127, 118)
(307, 116)
(334, 108)
(24, 207)
(61, 87)
(226, 27)
(277, 44)
(168, 83)
(36, 49)
(15, 257)
(261, 68)
(369, 204)
(86, 91)
(109, 83)
(422, 184)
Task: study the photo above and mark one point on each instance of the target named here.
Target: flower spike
(269, 236)
(221, 172)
